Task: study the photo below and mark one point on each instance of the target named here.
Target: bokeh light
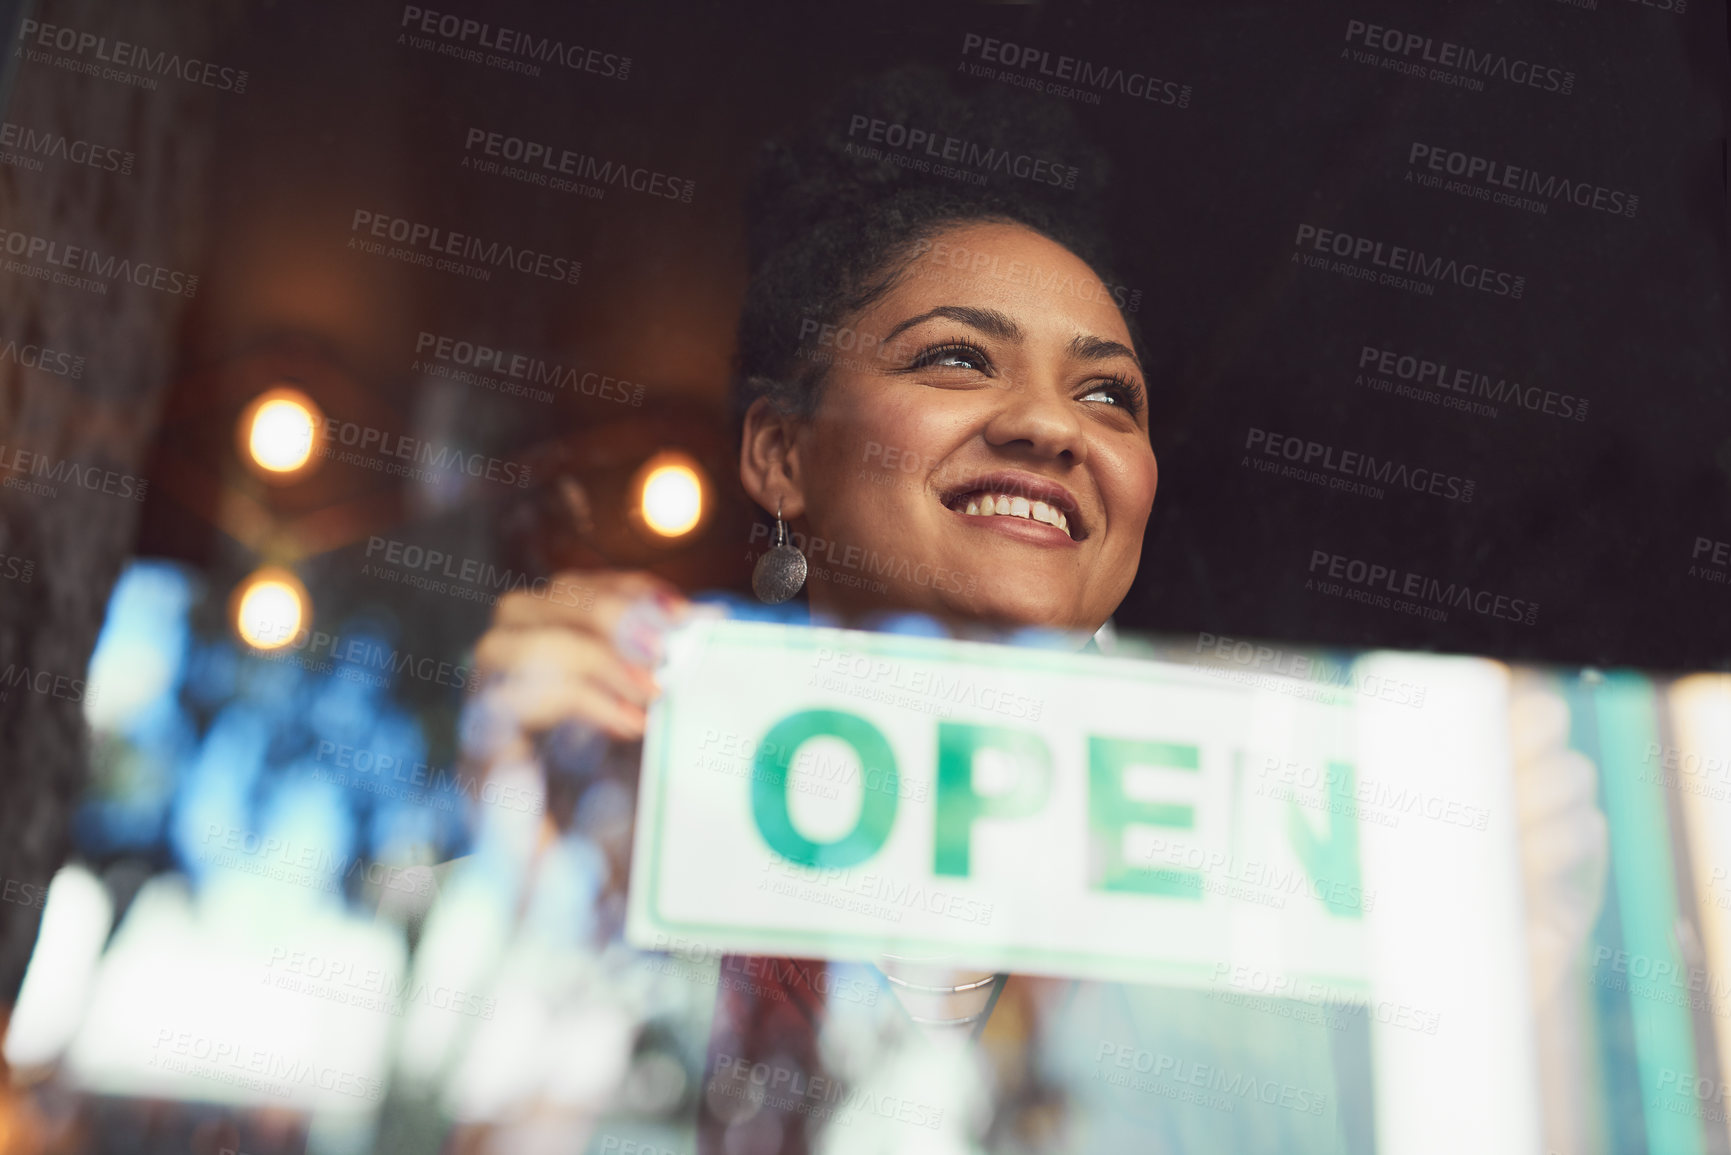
(279, 431)
(671, 495)
(270, 608)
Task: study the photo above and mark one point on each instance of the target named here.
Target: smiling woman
(942, 400)
(1026, 415)
(938, 387)
(914, 344)
(944, 405)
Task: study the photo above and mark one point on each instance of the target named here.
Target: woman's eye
(1120, 394)
(952, 357)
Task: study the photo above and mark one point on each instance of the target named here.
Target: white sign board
(843, 795)
(837, 794)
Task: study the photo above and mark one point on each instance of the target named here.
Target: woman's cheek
(1128, 480)
(1146, 475)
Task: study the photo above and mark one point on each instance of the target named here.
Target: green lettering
(958, 806)
(877, 812)
(1111, 811)
(1334, 858)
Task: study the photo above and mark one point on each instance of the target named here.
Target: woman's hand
(582, 652)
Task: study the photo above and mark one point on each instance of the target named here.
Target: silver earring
(781, 570)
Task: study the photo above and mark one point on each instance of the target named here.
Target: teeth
(991, 504)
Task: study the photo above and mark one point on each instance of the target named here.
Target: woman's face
(980, 450)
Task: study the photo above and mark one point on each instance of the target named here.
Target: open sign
(826, 794)
(833, 794)
(1123, 776)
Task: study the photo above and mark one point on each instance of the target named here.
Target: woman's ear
(769, 459)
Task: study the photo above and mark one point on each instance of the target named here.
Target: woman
(1027, 413)
(934, 372)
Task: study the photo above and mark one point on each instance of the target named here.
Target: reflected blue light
(140, 654)
(200, 747)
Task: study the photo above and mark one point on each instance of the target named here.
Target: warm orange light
(270, 608)
(671, 495)
(279, 431)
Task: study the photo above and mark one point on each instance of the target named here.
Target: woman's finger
(539, 705)
(555, 655)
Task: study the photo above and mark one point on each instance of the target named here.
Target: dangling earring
(781, 570)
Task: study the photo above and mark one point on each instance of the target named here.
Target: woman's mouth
(1018, 498)
(1003, 505)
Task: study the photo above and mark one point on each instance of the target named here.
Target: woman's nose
(1040, 418)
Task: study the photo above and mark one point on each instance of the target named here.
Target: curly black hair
(837, 215)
